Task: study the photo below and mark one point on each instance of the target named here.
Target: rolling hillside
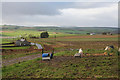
(69, 30)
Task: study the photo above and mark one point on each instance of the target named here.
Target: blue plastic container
(45, 55)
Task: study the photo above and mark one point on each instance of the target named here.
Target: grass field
(87, 67)
(26, 33)
(63, 64)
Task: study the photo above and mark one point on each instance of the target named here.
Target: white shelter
(80, 53)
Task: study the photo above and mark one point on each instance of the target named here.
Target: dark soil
(9, 51)
(57, 60)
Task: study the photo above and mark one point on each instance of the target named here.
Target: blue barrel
(45, 55)
(112, 46)
(51, 56)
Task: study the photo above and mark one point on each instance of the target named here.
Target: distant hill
(79, 30)
(69, 30)
(9, 27)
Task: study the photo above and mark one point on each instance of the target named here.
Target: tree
(88, 33)
(104, 33)
(44, 35)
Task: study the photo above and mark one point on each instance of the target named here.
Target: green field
(92, 67)
(64, 64)
(25, 31)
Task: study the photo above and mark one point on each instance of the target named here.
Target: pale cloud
(61, 14)
(46, 8)
(59, 0)
(106, 16)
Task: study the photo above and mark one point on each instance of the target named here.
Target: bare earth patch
(93, 36)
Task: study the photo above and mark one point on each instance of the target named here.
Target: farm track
(19, 59)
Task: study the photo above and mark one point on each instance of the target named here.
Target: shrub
(44, 35)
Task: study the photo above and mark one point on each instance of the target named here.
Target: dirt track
(20, 59)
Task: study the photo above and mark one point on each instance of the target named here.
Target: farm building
(90, 33)
(22, 42)
(106, 33)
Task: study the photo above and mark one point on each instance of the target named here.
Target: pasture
(63, 64)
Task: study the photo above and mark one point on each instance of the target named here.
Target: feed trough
(47, 56)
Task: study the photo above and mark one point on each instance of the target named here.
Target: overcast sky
(82, 14)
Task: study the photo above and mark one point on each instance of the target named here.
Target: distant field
(90, 38)
(68, 30)
(26, 33)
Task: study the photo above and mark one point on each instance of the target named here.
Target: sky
(65, 14)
